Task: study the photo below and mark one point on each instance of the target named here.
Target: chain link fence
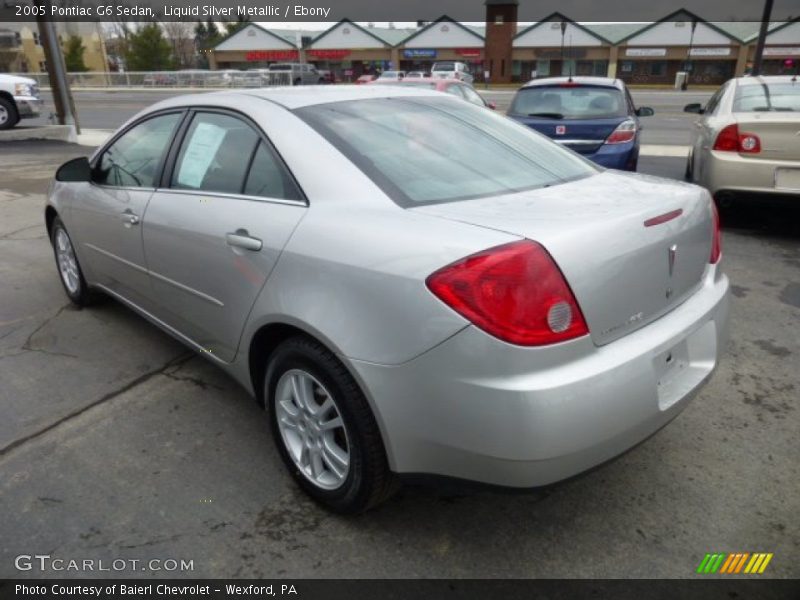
(171, 79)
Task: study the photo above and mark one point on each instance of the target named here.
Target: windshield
(428, 150)
(767, 97)
(569, 102)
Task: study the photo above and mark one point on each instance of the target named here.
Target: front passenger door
(107, 217)
(214, 232)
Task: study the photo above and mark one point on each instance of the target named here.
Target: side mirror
(75, 170)
(694, 107)
(645, 111)
(492, 104)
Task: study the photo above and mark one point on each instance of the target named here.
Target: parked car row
(455, 87)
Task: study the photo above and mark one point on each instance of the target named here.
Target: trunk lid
(622, 272)
(584, 136)
(779, 133)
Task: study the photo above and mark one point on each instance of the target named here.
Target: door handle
(241, 239)
(129, 218)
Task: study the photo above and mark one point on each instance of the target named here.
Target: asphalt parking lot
(117, 442)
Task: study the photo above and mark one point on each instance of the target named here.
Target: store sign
(469, 52)
(646, 52)
(328, 54)
(267, 55)
(710, 52)
(795, 51)
(419, 53)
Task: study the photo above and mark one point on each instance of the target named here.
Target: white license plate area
(787, 179)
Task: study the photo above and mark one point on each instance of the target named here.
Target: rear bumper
(616, 156)
(476, 408)
(730, 172)
(28, 107)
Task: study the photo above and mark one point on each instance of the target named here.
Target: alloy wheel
(312, 429)
(67, 263)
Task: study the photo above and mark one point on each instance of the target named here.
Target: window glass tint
(134, 159)
(767, 97)
(215, 154)
(569, 102)
(268, 177)
(422, 150)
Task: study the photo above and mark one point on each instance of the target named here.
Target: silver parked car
(408, 282)
(747, 138)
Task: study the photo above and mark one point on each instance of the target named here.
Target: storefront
(679, 42)
(253, 47)
(781, 51)
(443, 40)
(349, 50)
(557, 46)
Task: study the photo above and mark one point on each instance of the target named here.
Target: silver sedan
(409, 283)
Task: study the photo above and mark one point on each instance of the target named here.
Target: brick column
(501, 27)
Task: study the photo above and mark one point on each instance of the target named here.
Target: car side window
(472, 96)
(713, 103)
(134, 159)
(269, 178)
(215, 154)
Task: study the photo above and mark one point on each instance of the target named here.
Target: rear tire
(8, 113)
(297, 81)
(69, 269)
(302, 379)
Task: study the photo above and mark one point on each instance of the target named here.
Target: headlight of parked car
(23, 89)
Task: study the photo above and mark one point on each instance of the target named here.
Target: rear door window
(215, 154)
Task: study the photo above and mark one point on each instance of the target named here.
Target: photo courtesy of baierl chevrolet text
(425, 299)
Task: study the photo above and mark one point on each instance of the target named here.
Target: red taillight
(730, 140)
(514, 292)
(716, 235)
(624, 132)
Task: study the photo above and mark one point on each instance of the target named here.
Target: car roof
(292, 97)
(606, 81)
(762, 79)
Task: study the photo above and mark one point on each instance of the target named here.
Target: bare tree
(180, 35)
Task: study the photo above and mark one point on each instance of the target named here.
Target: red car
(457, 88)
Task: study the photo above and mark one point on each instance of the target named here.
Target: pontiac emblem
(673, 250)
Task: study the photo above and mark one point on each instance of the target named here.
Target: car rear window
(430, 150)
(767, 97)
(569, 102)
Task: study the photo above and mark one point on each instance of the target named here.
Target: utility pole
(762, 37)
(56, 69)
(563, 32)
(685, 84)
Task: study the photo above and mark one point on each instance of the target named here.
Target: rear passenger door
(214, 229)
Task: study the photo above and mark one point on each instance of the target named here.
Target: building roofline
(562, 17)
(670, 17)
(442, 19)
(248, 26)
(354, 24)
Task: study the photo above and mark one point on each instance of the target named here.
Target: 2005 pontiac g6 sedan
(410, 284)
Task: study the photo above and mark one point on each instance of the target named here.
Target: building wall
(501, 27)
(28, 57)
(675, 33)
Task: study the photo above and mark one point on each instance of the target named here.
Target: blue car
(593, 116)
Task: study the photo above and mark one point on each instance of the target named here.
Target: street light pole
(56, 69)
(563, 32)
(685, 84)
(762, 37)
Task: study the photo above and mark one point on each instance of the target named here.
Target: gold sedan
(747, 139)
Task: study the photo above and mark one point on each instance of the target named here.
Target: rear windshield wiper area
(547, 115)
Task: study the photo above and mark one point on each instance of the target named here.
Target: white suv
(19, 99)
(451, 69)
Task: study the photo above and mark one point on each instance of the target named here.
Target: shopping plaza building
(646, 53)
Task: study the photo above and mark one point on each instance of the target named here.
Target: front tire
(8, 113)
(69, 269)
(324, 428)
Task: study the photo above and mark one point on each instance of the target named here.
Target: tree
(73, 55)
(148, 50)
(179, 35)
(232, 27)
